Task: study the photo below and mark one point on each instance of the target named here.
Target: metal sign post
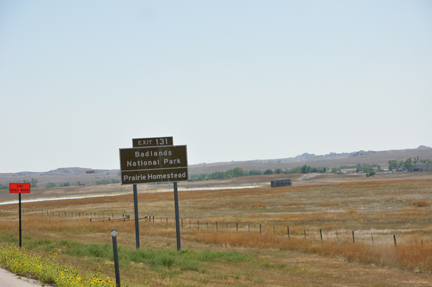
(19, 188)
(177, 216)
(137, 239)
(20, 230)
(116, 261)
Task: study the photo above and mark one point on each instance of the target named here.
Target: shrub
(50, 185)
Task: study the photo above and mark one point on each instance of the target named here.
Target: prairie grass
(411, 254)
(296, 204)
(251, 220)
(48, 270)
(328, 204)
(420, 203)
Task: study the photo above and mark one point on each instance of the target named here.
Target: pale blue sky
(233, 80)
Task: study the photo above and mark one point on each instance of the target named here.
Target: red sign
(19, 187)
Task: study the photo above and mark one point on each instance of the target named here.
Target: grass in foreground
(379, 209)
(47, 269)
(160, 264)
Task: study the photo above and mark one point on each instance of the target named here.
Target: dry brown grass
(296, 204)
(412, 254)
(328, 204)
(376, 208)
(420, 203)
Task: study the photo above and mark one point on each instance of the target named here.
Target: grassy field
(239, 237)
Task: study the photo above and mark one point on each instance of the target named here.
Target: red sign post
(19, 188)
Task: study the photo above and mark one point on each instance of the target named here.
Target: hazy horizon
(91, 168)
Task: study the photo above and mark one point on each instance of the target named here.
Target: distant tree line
(407, 164)
(239, 172)
(52, 184)
(105, 181)
(359, 168)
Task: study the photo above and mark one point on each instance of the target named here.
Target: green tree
(50, 185)
(33, 182)
(278, 171)
(368, 169)
(269, 171)
(255, 172)
(371, 173)
(304, 169)
(238, 172)
(392, 164)
(408, 165)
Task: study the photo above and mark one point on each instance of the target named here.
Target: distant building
(422, 166)
(398, 169)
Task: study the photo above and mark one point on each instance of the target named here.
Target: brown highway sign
(154, 175)
(149, 142)
(153, 158)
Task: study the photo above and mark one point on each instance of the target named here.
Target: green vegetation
(269, 171)
(47, 269)
(165, 262)
(3, 186)
(369, 169)
(361, 166)
(50, 185)
(105, 181)
(371, 173)
(407, 164)
(238, 172)
(33, 183)
(306, 169)
(64, 184)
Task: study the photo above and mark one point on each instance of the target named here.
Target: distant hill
(73, 175)
(328, 160)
